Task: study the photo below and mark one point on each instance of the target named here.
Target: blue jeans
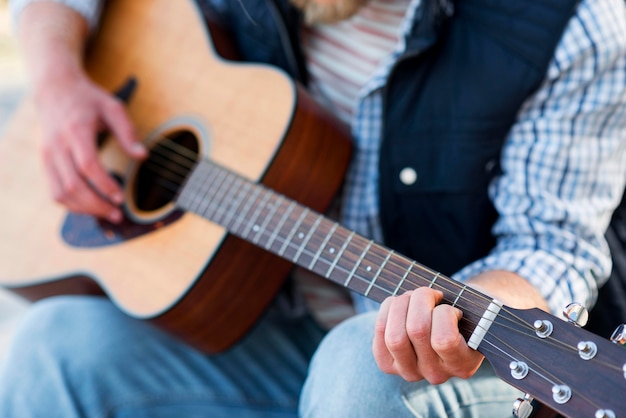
(81, 357)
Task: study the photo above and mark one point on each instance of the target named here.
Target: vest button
(408, 176)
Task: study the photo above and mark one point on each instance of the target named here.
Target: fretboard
(310, 240)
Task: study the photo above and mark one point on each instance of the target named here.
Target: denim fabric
(82, 357)
(364, 391)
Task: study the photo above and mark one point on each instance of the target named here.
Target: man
(489, 145)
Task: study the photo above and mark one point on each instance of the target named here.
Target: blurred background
(12, 88)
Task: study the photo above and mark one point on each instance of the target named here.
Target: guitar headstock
(566, 368)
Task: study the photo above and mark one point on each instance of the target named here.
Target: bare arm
(72, 110)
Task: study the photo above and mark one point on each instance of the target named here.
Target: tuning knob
(619, 335)
(523, 407)
(577, 314)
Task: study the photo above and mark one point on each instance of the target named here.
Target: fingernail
(115, 216)
(138, 148)
(118, 198)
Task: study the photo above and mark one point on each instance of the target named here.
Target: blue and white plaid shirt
(564, 163)
(564, 160)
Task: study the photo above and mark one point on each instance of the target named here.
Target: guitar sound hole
(168, 164)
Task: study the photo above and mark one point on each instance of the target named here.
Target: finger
(397, 340)
(54, 179)
(383, 357)
(75, 193)
(419, 328)
(117, 120)
(85, 158)
(456, 357)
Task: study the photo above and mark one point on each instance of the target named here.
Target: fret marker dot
(368, 268)
(301, 235)
(332, 251)
(256, 228)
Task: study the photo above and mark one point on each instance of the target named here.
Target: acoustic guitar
(242, 164)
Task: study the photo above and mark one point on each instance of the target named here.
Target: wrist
(52, 37)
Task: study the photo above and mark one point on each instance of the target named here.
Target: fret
(369, 288)
(191, 192)
(241, 191)
(458, 296)
(306, 239)
(251, 223)
(206, 198)
(273, 208)
(201, 186)
(241, 216)
(432, 283)
(314, 245)
(218, 203)
(369, 268)
(281, 252)
(322, 246)
(402, 280)
(339, 256)
(280, 225)
(356, 265)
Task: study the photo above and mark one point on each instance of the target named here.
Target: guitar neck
(313, 241)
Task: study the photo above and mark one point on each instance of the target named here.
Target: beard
(315, 12)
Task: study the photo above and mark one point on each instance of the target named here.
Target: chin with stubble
(328, 11)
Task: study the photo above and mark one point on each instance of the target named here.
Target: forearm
(52, 38)
(509, 288)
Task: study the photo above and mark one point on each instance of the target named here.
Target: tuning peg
(619, 335)
(523, 407)
(577, 314)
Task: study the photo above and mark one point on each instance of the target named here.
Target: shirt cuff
(550, 273)
(89, 9)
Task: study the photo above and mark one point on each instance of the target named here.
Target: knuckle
(465, 374)
(87, 165)
(58, 196)
(445, 343)
(71, 187)
(397, 342)
(418, 330)
(436, 378)
(411, 376)
(113, 105)
(386, 366)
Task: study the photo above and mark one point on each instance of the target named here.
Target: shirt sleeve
(89, 9)
(564, 165)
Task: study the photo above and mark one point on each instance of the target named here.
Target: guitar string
(536, 368)
(542, 373)
(548, 376)
(182, 152)
(172, 145)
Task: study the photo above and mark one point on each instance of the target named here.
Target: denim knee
(76, 331)
(344, 380)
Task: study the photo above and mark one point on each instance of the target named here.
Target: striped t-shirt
(342, 57)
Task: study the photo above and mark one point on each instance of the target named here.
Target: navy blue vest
(449, 103)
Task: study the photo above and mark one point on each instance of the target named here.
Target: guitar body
(189, 276)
